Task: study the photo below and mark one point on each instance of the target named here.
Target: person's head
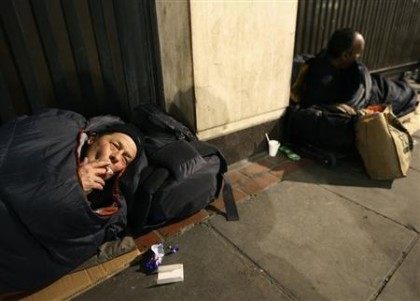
(345, 47)
(118, 144)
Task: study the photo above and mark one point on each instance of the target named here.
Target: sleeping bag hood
(48, 224)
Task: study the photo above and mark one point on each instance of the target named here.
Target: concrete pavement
(319, 234)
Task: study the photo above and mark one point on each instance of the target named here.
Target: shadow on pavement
(348, 172)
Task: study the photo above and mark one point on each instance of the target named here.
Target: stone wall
(226, 64)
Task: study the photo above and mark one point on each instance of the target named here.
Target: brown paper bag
(384, 144)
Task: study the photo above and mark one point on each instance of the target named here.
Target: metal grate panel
(93, 57)
(391, 28)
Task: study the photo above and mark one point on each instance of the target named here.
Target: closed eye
(114, 144)
(119, 146)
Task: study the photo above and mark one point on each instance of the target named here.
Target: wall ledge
(229, 128)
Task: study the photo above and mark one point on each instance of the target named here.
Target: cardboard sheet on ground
(76, 283)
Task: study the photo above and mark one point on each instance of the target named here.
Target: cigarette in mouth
(109, 170)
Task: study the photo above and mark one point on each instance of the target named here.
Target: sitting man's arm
(321, 86)
(352, 90)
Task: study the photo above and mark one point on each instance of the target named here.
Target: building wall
(174, 28)
(226, 66)
(92, 57)
(242, 56)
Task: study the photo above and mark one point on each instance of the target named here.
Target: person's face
(116, 148)
(355, 53)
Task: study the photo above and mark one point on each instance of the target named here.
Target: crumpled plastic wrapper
(158, 253)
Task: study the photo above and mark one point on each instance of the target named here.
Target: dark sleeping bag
(47, 226)
(355, 86)
(398, 93)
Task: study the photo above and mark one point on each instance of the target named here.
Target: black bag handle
(206, 149)
(229, 201)
(165, 121)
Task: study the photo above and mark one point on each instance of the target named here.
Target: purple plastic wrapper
(172, 250)
(153, 263)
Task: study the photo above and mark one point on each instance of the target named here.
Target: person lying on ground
(335, 75)
(63, 190)
(105, 156)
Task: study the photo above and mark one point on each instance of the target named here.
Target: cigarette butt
(109, 170)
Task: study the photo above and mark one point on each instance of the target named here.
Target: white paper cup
(273, 147)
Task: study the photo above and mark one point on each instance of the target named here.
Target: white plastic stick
(266, 136)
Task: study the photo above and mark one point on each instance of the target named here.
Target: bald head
(345, 47)
(358, 44)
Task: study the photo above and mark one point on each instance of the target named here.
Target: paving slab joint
(407, 226)
(412, 228)
(394, 268)
(284, 290)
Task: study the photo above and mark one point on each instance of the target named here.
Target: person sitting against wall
(64, 186)
(335, 75)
